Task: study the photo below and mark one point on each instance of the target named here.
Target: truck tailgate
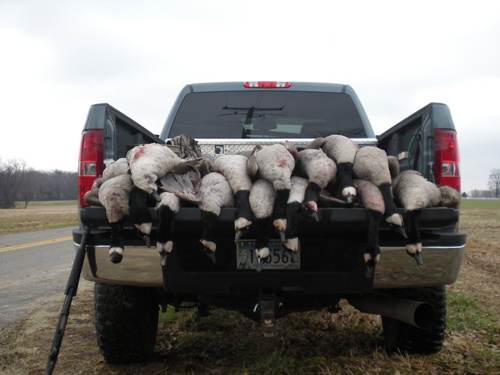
(331, 255)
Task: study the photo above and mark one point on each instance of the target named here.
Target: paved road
(32, 265)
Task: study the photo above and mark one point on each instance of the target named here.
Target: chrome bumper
(141, 267)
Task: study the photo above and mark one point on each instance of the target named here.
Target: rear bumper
(329, 241)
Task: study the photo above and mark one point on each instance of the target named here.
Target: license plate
(278, 259)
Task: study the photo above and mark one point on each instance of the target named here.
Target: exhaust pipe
(418, 314)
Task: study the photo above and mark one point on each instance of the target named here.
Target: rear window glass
(267, 114)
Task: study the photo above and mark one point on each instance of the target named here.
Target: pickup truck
(231, 118)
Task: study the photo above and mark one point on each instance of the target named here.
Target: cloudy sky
(60, 57)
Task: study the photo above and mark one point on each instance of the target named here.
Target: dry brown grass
(310, 343)
(17, 220)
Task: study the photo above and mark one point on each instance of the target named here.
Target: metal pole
(71, 288)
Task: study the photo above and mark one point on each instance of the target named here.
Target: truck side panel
(412, 140)
(120, 131)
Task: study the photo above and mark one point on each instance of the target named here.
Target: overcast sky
(59, 57)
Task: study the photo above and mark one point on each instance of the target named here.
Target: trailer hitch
(71, 288)
(266, 308)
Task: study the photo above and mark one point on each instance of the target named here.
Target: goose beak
(156, 196)
(282, 235)
(418, 258)
(369, 272)
(260, 264)
(210, 255)
(349, 198)
(400, 230)
(310, 210)
(163, 258)
(293, 255)
(239, 233)
(147, 239)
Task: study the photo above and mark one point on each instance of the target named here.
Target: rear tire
(403, 337)
(126, 322)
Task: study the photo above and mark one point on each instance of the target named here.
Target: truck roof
(296, 86)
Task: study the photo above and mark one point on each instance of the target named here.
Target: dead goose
(320, 170)
(167, 207)
(275, 163)
(233, 167)
(414, 193)
(371, 164)
(215, 193)
(293, 210)
(373, 202)
(342, 151)
(261, 198)
(114, 196)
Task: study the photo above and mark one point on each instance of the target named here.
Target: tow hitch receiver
(267, 309)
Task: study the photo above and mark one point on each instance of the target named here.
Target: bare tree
(494, 182)
(12, 175)
(31, 186)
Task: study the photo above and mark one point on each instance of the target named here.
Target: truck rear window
(267, 114)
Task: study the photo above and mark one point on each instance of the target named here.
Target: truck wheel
(406, 338)
(126, 322)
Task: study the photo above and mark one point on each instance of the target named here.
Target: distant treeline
(480, 194)
(20, 183)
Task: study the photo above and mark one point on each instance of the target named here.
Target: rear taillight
(267, 84)
(90, 164)
(446, 158)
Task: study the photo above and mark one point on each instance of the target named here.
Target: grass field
(39, 215)
(480, 204)
(46, 204)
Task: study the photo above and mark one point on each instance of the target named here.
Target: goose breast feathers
(114, 196)
(371, 164)
(274, 163)
(317, 166)
(414, 192)
(215, 193)
(150, 162)
(234, 168)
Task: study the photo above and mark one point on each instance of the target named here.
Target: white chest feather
(215, 193)
(341, 149)
(233, 167)
(414, 192)
(262, 198)
(276, 165)
(318, 167)
(298, 189)
(371, 164)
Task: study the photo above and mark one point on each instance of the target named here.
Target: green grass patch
(475, 332)
(466, 313)
(481, 204)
